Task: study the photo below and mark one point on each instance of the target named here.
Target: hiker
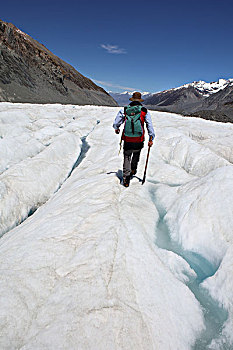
(134, 116)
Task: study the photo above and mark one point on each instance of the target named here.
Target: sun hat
(136, 97)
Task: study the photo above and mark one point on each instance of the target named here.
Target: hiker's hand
(117, 131)
(150, 143)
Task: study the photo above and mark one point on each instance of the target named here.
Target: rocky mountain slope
(29, 72)
(206, 100)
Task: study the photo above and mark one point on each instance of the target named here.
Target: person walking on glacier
(133, 116)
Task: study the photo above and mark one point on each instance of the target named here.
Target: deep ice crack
(29, 210)
(214, 315)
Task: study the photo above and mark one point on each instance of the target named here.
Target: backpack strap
(144, 109)
(143, 114)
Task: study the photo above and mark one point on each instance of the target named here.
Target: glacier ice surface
(97, 266)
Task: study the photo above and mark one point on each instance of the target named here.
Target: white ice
(83, 271)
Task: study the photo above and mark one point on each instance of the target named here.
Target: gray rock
(190, 101)
(29, 72)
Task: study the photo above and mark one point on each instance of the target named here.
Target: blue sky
(133, 45)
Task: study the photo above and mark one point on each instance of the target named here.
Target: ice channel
(214, 314)
(84, 149)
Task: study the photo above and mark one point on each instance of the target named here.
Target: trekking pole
(121, 142)
(147, 158)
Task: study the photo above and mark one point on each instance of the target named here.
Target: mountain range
(29, 72)
(122, 98)
(212, 101)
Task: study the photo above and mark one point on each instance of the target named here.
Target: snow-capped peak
(129, 93)
(122, 98)
(207, 89)
(211, 88)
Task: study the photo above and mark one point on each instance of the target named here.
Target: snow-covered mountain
(88, 264)
(206, 89)
(207, 100)
(122, 98)
(202, 87)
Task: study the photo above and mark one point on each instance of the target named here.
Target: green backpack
(133, 126)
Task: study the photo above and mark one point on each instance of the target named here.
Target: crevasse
(214, 315)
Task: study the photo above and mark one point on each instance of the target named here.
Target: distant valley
(213, 101)
(122, 98)
(29, 72)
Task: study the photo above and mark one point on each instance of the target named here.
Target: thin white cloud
(114, 49)
(106, 83)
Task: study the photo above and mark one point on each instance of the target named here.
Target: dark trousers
(131, 158)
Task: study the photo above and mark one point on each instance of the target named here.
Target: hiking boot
(126, 181)
(133, 172)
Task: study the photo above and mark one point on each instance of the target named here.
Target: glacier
(88, 264)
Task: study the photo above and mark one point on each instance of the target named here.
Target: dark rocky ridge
(175, 99)
(29, 72)
(190, 101)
